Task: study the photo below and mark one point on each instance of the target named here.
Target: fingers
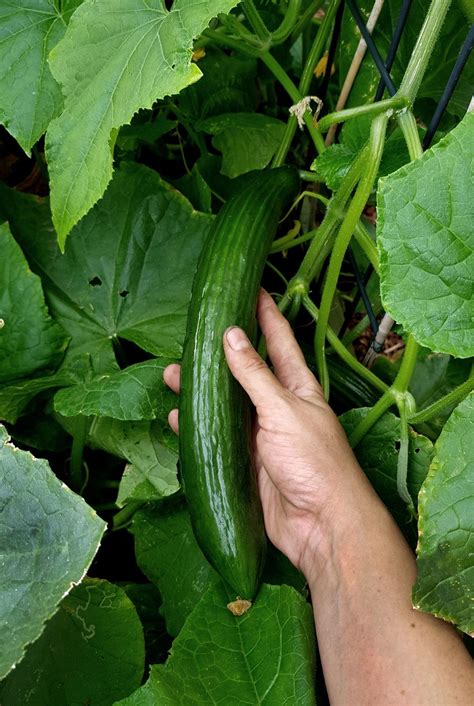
(171, 376)
(173, 420)
(249, 369)
(286, 356)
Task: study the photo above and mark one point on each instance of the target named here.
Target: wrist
(341, 525)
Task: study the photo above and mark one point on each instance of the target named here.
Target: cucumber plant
(145, 142)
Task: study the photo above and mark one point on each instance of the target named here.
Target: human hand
(304, 464)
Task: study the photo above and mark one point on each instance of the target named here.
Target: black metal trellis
(386, 82)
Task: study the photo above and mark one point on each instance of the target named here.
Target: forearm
(375, 648)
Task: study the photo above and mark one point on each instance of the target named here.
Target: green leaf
(426, 244)
(29, 339)
(48, 538)
(127, 269)
(147, 600)
(228, 85)
(91, 652)
(334, 163)
(378, 457)
(143, 130)
(196, 189)
(445, 583)
(169, 556)
(247, 140)
(29, 95)
(150, 450)
(14, 398)
(115, 58)
(136, 393)
(265, 656)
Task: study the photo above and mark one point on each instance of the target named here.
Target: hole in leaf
(128, 353)
(124, 293)
(168, 4)
(95, 282)
(417, 450)
(397, 446)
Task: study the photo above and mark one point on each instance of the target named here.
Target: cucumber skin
(215, 413)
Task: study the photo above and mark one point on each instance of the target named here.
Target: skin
(321, 511)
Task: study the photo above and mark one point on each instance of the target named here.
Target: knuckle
(254, 364)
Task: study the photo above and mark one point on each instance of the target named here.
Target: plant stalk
(314, 56)
(376, 144)
(255, 20)
(288, 22)
(423, 49)
(340, 116)
(451, 398)
(342, 351)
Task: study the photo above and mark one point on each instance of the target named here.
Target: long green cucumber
(215, 413)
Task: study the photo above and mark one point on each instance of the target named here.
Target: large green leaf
(426, 242)
(149, 449)
(29, 95)
(136, 393)
(266, 656)
(48, 538)
(247, 140)
(117, 56)
(14, 398)
(127, 269)
(378, 457)
(169, 556)
(445, 583)
(91, 652)
(29, 339)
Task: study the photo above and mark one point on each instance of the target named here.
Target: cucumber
(215, 413)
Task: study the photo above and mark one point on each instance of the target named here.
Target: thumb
(248, 367)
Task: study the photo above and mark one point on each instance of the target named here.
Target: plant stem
(255, 20)
(309, 176)
(407, 366)
(314, 56)
(280, 74)
(76, 462)
(423, 49)
(320, 249)
(287, 243)
(225, 40)
(123, 518)
(397, 394)
(376, 143)
(288, 22)
(402, 461)
(340, 116)
(367, 245)
(407, 123)
(372, 416)
(451, 398)
(356, 331)
(342, 352)
(305, 17)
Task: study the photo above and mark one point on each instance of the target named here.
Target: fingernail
(236, 338)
